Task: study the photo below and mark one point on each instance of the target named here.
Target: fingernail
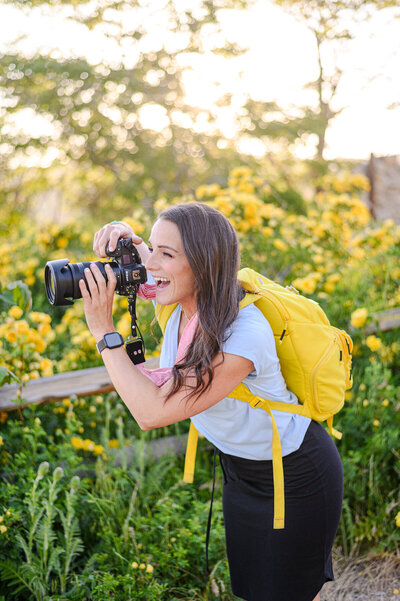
(87, 269)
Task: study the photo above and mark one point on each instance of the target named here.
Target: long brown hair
(211, 247)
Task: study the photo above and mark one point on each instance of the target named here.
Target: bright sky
(281, 59)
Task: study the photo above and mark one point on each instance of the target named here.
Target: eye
(167, 255)
(150, 249)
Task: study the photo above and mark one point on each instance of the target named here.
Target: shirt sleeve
(251, 336)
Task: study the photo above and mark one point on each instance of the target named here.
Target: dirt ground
(368, 579)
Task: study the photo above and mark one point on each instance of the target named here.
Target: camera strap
(134, 346)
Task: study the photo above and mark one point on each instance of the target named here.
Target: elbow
(145, 425)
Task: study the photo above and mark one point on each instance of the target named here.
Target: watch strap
(102, 344)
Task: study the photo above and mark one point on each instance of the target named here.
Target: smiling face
(170, 268)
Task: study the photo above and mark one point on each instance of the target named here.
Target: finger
(84, 291)
(91, 282)
(101, 240)
(112, 280)
(96, 245)
(110, 234)
(115, 235)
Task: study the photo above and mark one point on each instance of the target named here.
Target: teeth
(162, 280)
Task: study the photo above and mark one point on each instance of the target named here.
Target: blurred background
(106, 106)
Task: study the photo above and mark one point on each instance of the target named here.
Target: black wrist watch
(111, 340)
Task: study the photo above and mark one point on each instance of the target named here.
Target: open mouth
(161, 283)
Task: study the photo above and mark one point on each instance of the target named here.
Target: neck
(188, 312)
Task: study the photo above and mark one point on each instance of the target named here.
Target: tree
(331, 24)
(94, 113)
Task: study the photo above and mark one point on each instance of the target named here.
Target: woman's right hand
(110, 233)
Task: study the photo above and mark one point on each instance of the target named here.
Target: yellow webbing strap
(190, 458)
(332, 430)
(243, 393)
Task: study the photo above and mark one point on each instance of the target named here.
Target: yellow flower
(3, 529)
(1, 519)
(77, 442)
(92, 409)
(15, 312)
(385, 403)
(62, 242)
(280, 244)
(240, 172)
(98, 449)
(142, 566)
(22, 326)
(66, 402)
(358, 317)
(376, 422)
(149, 569)
(134, 564)
(44, 329)
(88, 445)
(113, 443)
(1, 441)
(85, 237)
(11, 336)
(267, 231)
(306, 285)
(397, 518)
(365, 403)
(373, 343)
(46, 367)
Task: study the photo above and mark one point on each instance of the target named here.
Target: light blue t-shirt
(233, 426)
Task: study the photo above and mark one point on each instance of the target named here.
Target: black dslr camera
(62, 277)
(62, 284)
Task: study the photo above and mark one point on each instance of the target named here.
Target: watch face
(113, 339)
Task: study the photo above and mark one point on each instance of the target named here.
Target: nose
(150, 263)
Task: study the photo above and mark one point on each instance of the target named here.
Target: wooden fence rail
(82, 382)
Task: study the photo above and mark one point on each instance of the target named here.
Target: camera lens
(62, 279)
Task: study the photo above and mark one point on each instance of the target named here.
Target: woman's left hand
(98, 301)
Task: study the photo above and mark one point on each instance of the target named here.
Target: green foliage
(16, 293)
(132, 530)
(96, 527)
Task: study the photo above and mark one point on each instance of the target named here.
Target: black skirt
(291, 564)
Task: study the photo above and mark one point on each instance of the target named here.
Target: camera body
(131, 271)
(62, 277)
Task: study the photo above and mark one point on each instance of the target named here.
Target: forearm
(141, 396)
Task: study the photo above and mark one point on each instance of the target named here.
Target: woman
(193, 259)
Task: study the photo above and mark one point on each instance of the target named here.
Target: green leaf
(16, 293)
(21, 294)
(7, 376)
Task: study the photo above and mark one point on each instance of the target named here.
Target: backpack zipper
(277, 303)
(314, 371)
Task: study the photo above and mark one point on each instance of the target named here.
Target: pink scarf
(163, 374)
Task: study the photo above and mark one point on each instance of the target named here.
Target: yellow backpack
(315, 361)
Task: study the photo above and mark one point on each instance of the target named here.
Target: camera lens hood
(58, 281)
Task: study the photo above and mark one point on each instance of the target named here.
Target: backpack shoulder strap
(163, 313)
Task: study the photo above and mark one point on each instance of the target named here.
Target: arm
(143, 398)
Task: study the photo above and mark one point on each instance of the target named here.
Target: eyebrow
(164, 246)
